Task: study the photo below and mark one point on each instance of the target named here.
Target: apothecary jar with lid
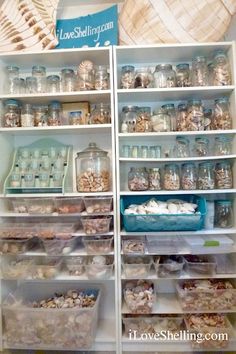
(93, 170)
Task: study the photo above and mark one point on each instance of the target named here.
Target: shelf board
(180, 192)
(174, 159)
(57, 215)
(215, 231)
(153, 276)
(82, 234)
(166, 134)
(76, 252)
(70, 278)
(51, 195)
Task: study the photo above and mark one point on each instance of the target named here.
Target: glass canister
(93, 170)
(164, 76)
(54, 113)
(143, 123)
(171, 177)
(223, 145)
(31, 84)
(127, 77)
(22, 86)
(208, 118)
(222, 116)
(143, 78)
(181, 118)
(161, 121)
(170, 109)
(27, 116)
(221, 70)
(40, 73)
(224, 214)
(199, 71)
(12, 114)
(68, 80)
(201, 147)
(138, 179)
(12, 85)
(154, 179)
(100, 114)
(85, 80)
(189, 176)
(223, 175)
(183, 75)
(101, 78)
(40, 115)
(206, 178)
(181, 148)
(195, 117)
(53, 83)
(129, 119)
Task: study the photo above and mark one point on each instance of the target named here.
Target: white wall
(231, 34)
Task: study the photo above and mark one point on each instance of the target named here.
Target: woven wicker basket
(173, 21)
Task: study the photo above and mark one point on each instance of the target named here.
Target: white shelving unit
(150, 56)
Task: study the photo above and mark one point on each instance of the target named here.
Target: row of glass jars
(201, 73)
(41, 180)
(51, 115)
(190, 117)
(205, 177)
(66, 81)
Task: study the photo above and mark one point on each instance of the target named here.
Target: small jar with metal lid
(27, 116)
(143, 120)
(53, 83)
(181, 148)
(222, 116)
(183, 75)
(208, 118)
(224, 214)
(189, 176)
(221, 70)
(101, 78)
(68, 80)
(160, 121)
(195, 116)
(171, 178)
(199, 71)
(223, 175)
(100, 114)
(143, 78)
(181, 118)
(138, 179)
(127, 77)
(201, 147)
(12, 114)
(223, 145)
(54, 113)
(40, 115)
(129, 119)
(170, 109)
(164, 76)
(206, 178)
(11, 85)
(40, 73)
(154, 179)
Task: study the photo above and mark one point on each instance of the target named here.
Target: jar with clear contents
(127, 77)
(11, 85)
(138, 179)
(143, 123)
(199, 71)
(164, 76)
(161, 121)
(201, 147)
(171, 177)
(221, 70)
(222, 116)
(40, 115)
(195, 116)
(101, 114)
(27, 116)
(101, 78)
(183, 75)
(143, 78)
(181, 148)
(223, 175)
(224, 214)
(206, 178)
(85, 80)
(68, 80)
(169, 108)
(12, 114)
(154, 179)
(189, 177)
(31, 84)
(129, 118)
(39, 72)
(22, 86)
(223, 146)
(54, 113)
(181, 118)
(53, 84)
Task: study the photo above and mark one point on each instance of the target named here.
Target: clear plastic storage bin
(75, 265)
(19, 267)
(98, 205)
(96, 225)
(164, 244)
(136, 266)
(18, 205)
(15, 246)
(209, 243)
(69, 205)
(40, 206)
(99, 267)
(134, 245)
(200, 265)
(169, 266)
(139, 296)
(98, 244)
(46, 267)
(17, 230)
(57, 246)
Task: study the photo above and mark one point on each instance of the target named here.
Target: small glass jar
(100, 114)
(86, 81)
(40, 73)
(138, 179)
(53, 83)
(181, 118)
(129, 119)
(224, 214)
(12, 114)
(126, 152)
(183, 75)
(223, 175)
(31, 84)
(222, 116)
(68, 80)
(15, 180)
(223, 146)
(54, 113)
(208, 119)
(57, 179)
(195, 116)
(171, 177)
(144, 152)
(154, 179)
(210, 68)
(189, 177)
(135, 151)
(201, 147)
(29, 180)
(199, 71)
(164, 76)
(40, 115)
(12, 85)
(27, 116)
(181, 148)
(143, 120)
(143, 78)
(169, 108)
(127, 77)
(22, 86)
(154, 152)
(44, 180)
(221, 71)
(101, 78)
(161, 121)
(24, 153)
(206, 178)
(23, 166)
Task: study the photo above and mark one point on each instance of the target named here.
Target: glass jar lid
(130, 109)
(160, 111)
(182, 140)
(201, 140)
(53, 78)
(128, 68)
(183, 66)
(67, 72)
(168, 106)
(189, 165)
(55, 105)
(223, 164)
(182, 107)
(222, 100)
(13, 103)
(224, 202)
(206, 165)
(91, 151)
(172, 165)
(219, 54)
(38, 68)
(199, 59)
(12, 68)
(194, 102)
(160, 67)
(145, 110)
(223, 139)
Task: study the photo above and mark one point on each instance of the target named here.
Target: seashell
(172, 208)
(85, 67)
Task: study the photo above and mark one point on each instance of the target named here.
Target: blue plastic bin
(167, 222)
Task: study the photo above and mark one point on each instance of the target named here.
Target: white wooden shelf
(153, 276)
(56, 215)
(76, 252)
(180, 192)
(166, 134)
(215, 231)
(65, 277)
(65, 195)
(172, 159)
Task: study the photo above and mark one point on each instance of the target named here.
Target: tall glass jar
(53, 83)
(195, 118)
(181, 118)
(101, 78)
(164, 76)
(93, 170)
(210, 68)
(171, 177)
(129, 119)
(206, 178)
(27, 116)
(12, 114)
(143, 120)
(22, 86)
(100, 114)
(31, 84)
(85, 80)
(40, 73)
(199, 71)
(183, 75)
(189, 177)
(11, 85)
(161, 121)
(138, 179)
(54, 113)
(224, 214)
(221, 71)
(170, 109)
(40, 115)
(68, 80)
(223, 146)
(127, 77)
(208, 119)
(201, 147)
(143, 78)
(222, 116)
(181, 148)
(154, 179)
(223, 175)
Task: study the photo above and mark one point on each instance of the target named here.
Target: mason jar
(40, 115)
(85, 81)
(143, 78)
(27, 116)
(223, 175)
(195, 115)
(189, 176)
(181, 118)
(154, 176)
(138, 179)
(181, 148)
(54, 113)
(129, 118)
(39, 72)
(68, 80)
(127, 77)
(161, 121)
(224, 217)
(31, 84)
(170, 109)
(12, 114)
(53, 83)
(223, 145)
(208, 118)
(221, 70)
(171, 177)
(11, 85)
(183, 75)
(199, 71)
(206, 178)
(143, 123)
(164, 76)
(222, 116)
(101, 78)
(201, 147)
(100, 114)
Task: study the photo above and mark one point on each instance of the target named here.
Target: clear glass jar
(222, 116)
(224, 217)
(206, 178)
(86, 81)
(93, 170)
(101, 114)
(29, 180)
(54, 113)
(68, 80)
(138, 179)
(195, 117)
(53, 83)
(171, 177)
(31, 84)
(126, 152)
(144, 152)
(210, 68)
(143, 120)
(221, 71)
(143, 78)
(223, 175)
(22, 86)
(181, 118)
(201, 147)
(27, 116)
(169, 108)
(40, 115)
(154, 179)
(189, 176)
(135, 151)
(181, 148)
(183, 75)
(15, 180)
(127, 77)
(199, 71)
(129, 119)
(164, 76)
(12, 114)
(161, 121)
(208, 118)
(44, 180)
(40, 73)
(12, 85)
(223, 145)
(101, 78)
(154, 152)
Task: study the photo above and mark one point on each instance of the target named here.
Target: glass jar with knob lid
(68, 80)
(100, 114)
(223, 175)
(181, 148)
(164, 76)
(222, 115)
(169, 108)
(201, 147)
(195, 116)
(224, 214)
(138, 179)
(199, 71)
(127, 77)
(189, 176)
(206, 178)
(160, 121)
(223, 145)
(221, 69)
(171, 177)
(12, 114)
(183, 75)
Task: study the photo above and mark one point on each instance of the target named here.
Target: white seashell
(173, 208)
(85, 67)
